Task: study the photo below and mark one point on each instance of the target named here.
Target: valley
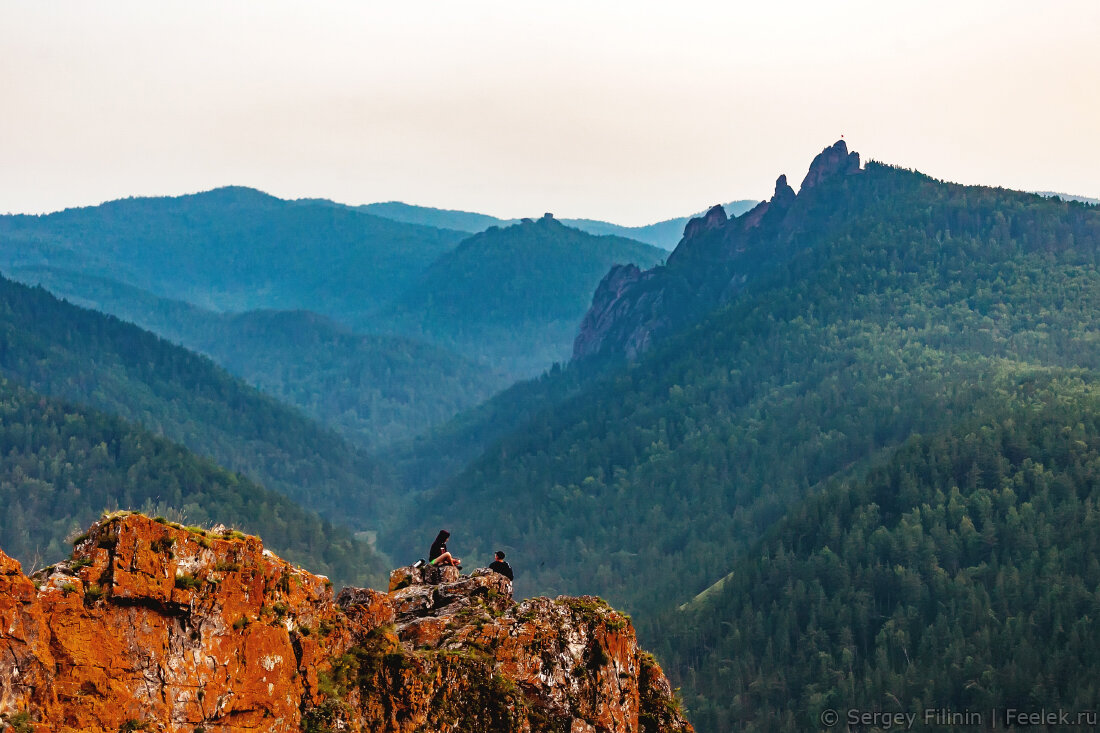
(816, 450)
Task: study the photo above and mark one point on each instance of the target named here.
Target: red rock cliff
(156, 627)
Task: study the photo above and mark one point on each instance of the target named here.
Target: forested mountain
(513, 297)
(664, 234)
(719, 257)
(430, 459)
(962, 575)
(784, 353)
(463, 221)
(233, 249)
(736, 443)
(372, 389)
(237, 249)
(64, 465)
(75, 354)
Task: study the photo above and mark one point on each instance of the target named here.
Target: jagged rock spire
(832, 161)
(715, 218)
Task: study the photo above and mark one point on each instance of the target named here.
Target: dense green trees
(62, 465)
(888, 304)
(64, 351)
(962, 575)
(750, 487)
(873, 328)
(372, 389)
(513, 296)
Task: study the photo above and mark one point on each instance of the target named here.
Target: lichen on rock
(153, 626)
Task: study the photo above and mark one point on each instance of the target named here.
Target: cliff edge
(157, 627)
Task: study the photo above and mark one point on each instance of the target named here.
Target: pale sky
(631, 112)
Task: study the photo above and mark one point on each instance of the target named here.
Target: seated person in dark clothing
(498, 565)
(438, 555)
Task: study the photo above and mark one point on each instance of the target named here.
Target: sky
(628, 112)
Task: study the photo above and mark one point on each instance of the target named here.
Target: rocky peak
(830, 162)
(777, 205)
(784, 195)
(715, 259)
(715, 218)
(153, 626)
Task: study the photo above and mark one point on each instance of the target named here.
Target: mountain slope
(64, 465)
(513, 296)
(233, 249)
(463, 221)
(775, 355)
(79, 355)
(884, 303)
(372, 389)
(719, 257)
(428, 460)
(918, 584)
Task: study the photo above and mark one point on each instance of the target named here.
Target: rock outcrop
(715, 258)
(715, 218)
(609, 317)
(833, 161)
(157, 627)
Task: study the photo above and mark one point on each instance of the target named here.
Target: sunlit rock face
(153, 626)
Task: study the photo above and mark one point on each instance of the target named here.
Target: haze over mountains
(180, 266)
(83, 356)
(775, 356)
(513, 296)
(237, 249)
(233, 249)
(372, 389)
(1069, 197)
(819, 451)
(664, 234)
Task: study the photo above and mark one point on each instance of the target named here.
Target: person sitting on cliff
(438, 555)
(499, 566)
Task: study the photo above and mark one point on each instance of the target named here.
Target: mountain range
(232, 249)
(83, 356)
(372, 389)
(235, 250)
(820, 451)
(664, 234)
(512, 296)
(773, 356)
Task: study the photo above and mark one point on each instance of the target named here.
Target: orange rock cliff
(156, 627)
